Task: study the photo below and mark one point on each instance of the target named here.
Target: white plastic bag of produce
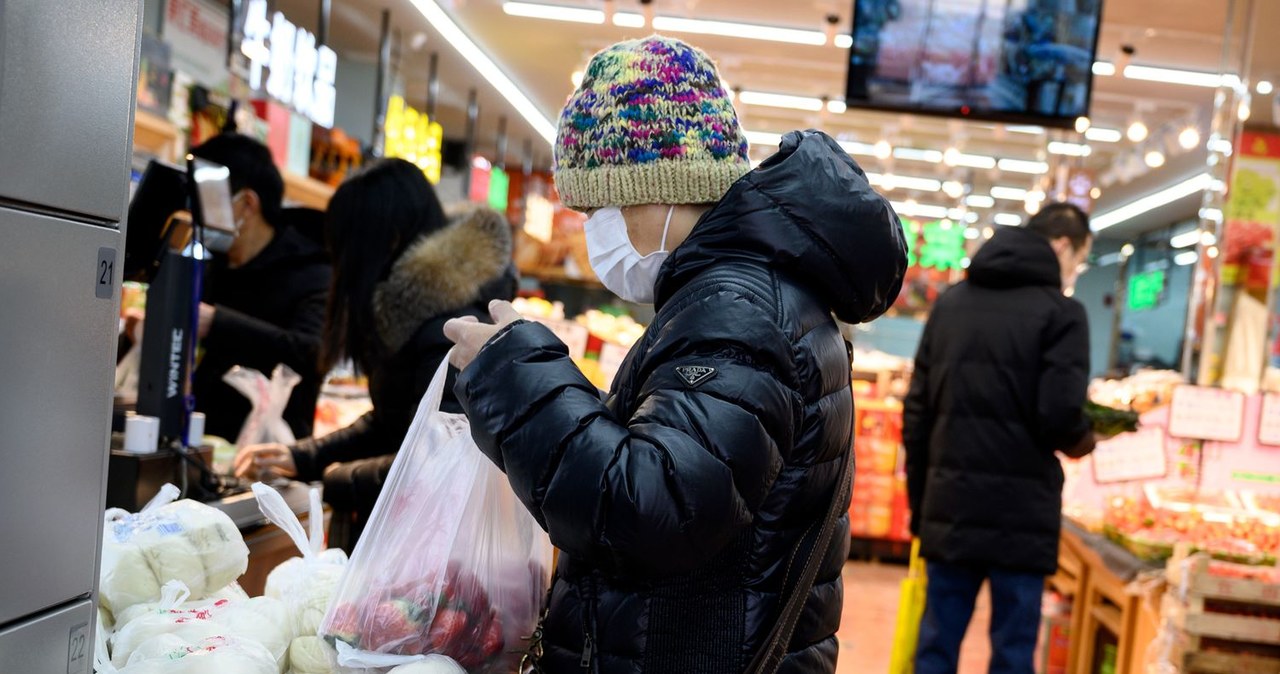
(269, 397)
(433, 664)
(261, 620)
(310, 655)
(304, 584)
(232, 592)
(170, 654)
(168, 540)
(450, 563)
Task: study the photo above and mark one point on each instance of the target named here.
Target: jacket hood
(1016, 257)
(443, 272)
(808, 212)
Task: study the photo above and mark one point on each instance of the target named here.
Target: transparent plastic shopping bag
(304, 584)
(450, 563)
(268, 397)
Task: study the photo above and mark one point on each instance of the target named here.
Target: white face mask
(220, 240)
(619, 265)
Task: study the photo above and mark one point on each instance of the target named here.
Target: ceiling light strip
(733, 29)
(1164, 197)
(533, 10)
(805, 103)
(454, 35)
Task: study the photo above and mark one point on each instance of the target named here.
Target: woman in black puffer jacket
(678, 501)
(402, 269)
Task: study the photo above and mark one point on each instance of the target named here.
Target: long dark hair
(372, 219)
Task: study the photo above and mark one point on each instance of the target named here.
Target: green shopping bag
(910, 611)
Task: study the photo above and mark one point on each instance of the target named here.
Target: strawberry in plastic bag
(450, 563)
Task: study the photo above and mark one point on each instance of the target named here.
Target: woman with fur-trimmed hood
(402, 268)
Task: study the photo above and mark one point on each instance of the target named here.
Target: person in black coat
(263, 298)
(680, 502)
(999, 387)
(404, 267)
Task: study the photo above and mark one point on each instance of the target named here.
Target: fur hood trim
(441, 273)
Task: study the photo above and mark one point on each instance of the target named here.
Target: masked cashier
(264, 294)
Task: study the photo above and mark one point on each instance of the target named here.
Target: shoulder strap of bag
(769, 657)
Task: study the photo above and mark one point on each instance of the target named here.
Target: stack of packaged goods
(169, 602)
(878, 506)
(1218, 617)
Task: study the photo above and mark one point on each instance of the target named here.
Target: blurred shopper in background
(402, 268)
(999, 388)
(684, 504)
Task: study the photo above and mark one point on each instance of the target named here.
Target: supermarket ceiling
(541, 55)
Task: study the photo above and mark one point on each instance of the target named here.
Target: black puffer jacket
(451, 273)
(999, 385)
(679, 502)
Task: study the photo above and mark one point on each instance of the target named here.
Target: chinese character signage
(499, 186)
(410, 135)
(935, 245)
(285, 61)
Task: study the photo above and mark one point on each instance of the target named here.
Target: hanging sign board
(1204, 413)
(1140, 455)
(1269, 420)
(196, 31)
(410, 135)
(285, 61)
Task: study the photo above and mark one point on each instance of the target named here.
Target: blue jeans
(1015, 618)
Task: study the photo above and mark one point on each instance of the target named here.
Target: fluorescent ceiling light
(1212, 215)
(1008, 193)
(1185, 239)
(1186, 258)
(1101, 135)
(843, 41)
(513, 93)
(837, 107)
(1023, 128)
(977, 161)
(1023, 166)
(915, 154)
(1193, 78)
(553, 12)
(856, 148)
(1168, 195)
(1104, 69)
(1109, 259)
(918, 210)
(912, 183)
(763, 138)
(957, 214)
(979, 201)
(747, 30)
(1265, 87)
(1069, 149)
(972, 233)
(805, 103)
(1008, 219)
(628, 20)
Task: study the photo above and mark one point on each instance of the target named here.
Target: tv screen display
(1025, 61)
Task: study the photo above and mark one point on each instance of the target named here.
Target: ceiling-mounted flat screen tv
(1026, 61)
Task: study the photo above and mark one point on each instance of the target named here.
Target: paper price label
(1269, 421)
(1140, 455)
(1203, 413)
(611, 357)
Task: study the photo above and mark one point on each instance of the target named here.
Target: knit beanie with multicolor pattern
(650, 124)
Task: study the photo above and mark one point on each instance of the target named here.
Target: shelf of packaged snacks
(306, 191)
(155, 136)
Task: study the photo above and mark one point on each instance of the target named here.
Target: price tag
(1140, 455)
(573, 335)
(611, 357)
(1203, 413)
(1269, 421)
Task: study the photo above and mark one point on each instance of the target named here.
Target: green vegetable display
(1109, 421)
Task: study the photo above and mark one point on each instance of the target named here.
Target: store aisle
(870, 609)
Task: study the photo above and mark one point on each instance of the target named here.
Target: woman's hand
(265, 461)
(470, 335)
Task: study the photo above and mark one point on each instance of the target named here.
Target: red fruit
(492, 641)
(448, 631)
(391, 627)
(345, 623)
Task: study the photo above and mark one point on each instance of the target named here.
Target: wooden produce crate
(1202, 617)
(1193, 576)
